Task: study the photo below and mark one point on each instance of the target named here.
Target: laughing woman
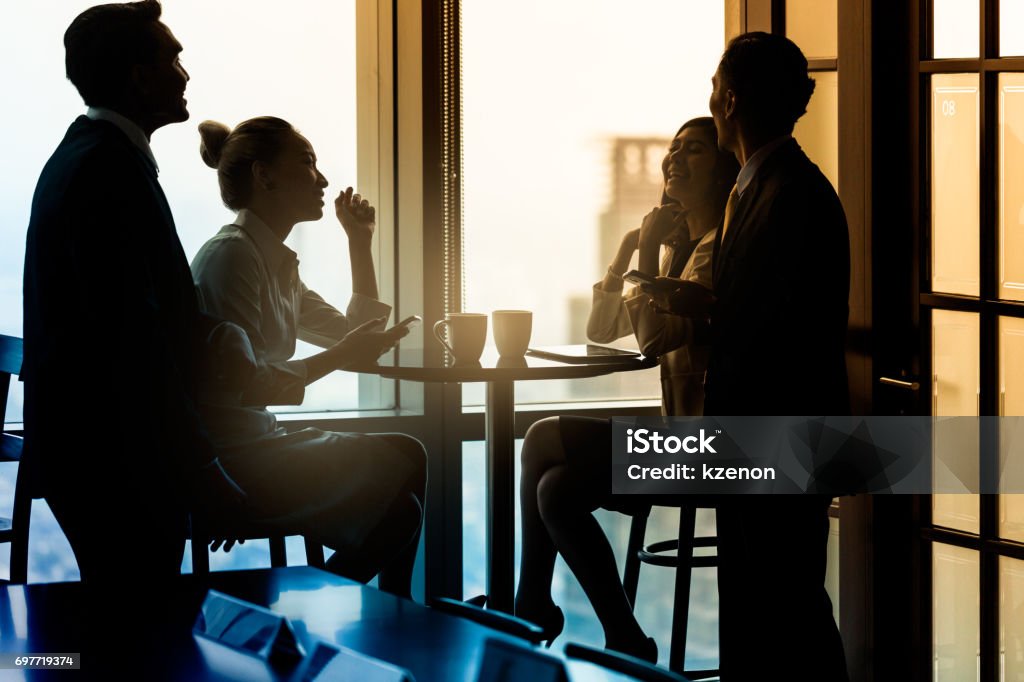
(567, 460)
(360, 494)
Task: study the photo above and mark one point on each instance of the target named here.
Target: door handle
(905, 384)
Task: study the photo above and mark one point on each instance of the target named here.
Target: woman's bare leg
(541, 451)
(567, 514)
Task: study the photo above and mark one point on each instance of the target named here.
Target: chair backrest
(11, 352)
(623, 664)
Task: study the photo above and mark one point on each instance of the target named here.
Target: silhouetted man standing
(113, 331)
(781, 284)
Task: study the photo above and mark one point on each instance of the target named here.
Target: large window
(568, 110)
(971, 291)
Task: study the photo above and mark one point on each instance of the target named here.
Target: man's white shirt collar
(749, 169)
(128, 127)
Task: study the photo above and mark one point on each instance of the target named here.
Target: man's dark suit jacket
(781, 281)
(112, 333)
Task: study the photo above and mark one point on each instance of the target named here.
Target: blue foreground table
(158, 643)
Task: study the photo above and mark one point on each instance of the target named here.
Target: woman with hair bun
(360, 494)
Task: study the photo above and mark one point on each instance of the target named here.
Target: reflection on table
(321, 606)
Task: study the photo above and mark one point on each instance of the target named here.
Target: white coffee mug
(467, 333)
(512, 330)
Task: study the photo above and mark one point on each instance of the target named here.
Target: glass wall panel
(814, 26)
(817, 131)
(1011, 186)
(955, 619)
(1011, 437)
(954, 183)
(1011, 619)
(1011, 18)
(957, 29)
(1011, 517)
(562, 147)
(955, 386)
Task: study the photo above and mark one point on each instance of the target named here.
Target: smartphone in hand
(407, 324)
(648, 282)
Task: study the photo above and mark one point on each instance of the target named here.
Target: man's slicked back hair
(768, 74)
(102, 45)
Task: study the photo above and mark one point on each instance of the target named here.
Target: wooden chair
(14, 530)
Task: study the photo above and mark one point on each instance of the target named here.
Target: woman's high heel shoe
(553, 626)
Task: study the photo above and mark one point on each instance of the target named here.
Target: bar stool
(684, 561)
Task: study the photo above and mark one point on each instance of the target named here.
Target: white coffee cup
(467, 333)
(512, 330)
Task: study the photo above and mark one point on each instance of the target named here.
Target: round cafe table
(500, 375)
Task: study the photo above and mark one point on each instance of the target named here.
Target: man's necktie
(730, 208)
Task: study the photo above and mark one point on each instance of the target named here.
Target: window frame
(987, 305)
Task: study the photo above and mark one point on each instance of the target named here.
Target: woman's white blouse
(246, 275)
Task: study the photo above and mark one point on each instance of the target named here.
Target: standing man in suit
(781, 284)
(778, 315)
(113, 331)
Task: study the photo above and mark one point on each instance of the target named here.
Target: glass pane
(474, 517)
(1011, 403)
(1011, 517)
(957, 31)
(955, 386)
(817, 131)
(559, 165)
(1011, 18)
(228, 86)
(814, 26)
(1011, 186)
(955, 619)
(954, 183)
(1011, 618)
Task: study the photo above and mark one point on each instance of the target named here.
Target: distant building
(636, 185)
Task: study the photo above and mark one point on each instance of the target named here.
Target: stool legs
(631, 572)
(681, 602)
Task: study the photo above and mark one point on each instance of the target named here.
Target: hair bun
(212, 136)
